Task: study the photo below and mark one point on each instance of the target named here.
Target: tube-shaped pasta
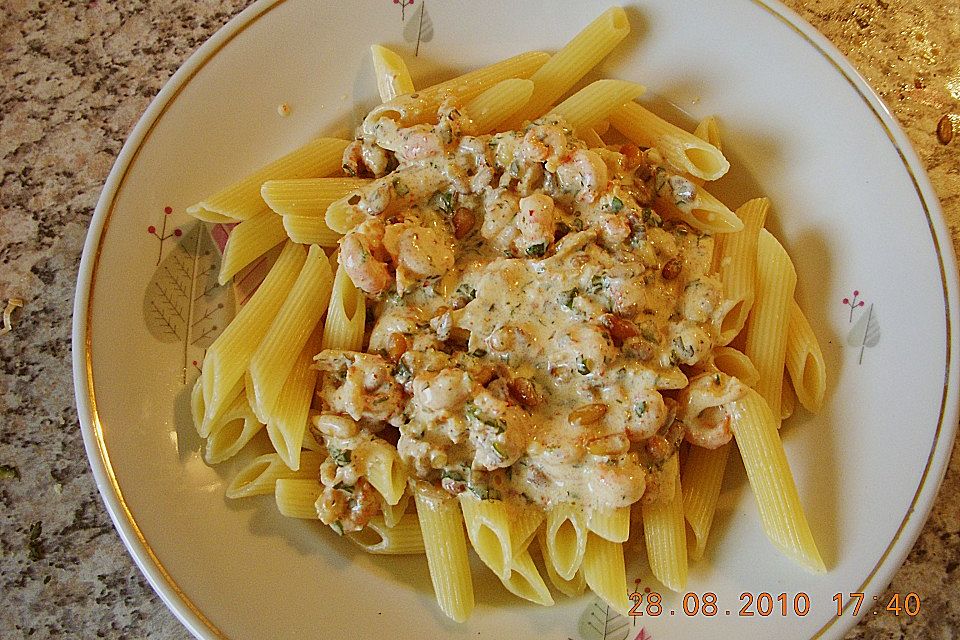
(573, 587)
(604, 572)
(524, 581)
(231, 432)
(446, 548)
(704, 212)
(307, 197)
(735, 363)
(709, 131)
(295, 321)
(229, 355)
(595, 101)
(665, 534)
(702, 478)
(737, 263)
(566, 538)
(488, 527)
(260, 475)
(241, 200)
(403, 537)
(754, 426)
(307, 230)
(610, 524)
(788, 399)
(496, 104)
(682, 149)
(804, 361)
(287, 423)
(297, 497)
(573, 61)
(422, 105)
(346, 315)
(248, 241)
(393, 78)
(393, 513)
(767, 325)
(381, 465)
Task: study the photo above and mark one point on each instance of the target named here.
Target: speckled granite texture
(74, 78)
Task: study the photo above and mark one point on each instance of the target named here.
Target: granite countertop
(75, 77)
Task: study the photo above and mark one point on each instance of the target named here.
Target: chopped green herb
(640, 408)
(583, 366)
(660, 179)
(514, 169)
(649, 334)
(597, 283)
(473, 411)
(567, 297)
(616, 204)
(340, 456)
(499, 450)
(9, 472)
(401, 188)
(336, 526)
(453, 475)
(650, 217)
(537, 250)
(478, 353)
(444, 201)
(716, 379)
(402, 373)
(578, 224)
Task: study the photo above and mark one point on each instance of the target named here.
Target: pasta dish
(502, 317)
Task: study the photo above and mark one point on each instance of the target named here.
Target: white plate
(851, 204)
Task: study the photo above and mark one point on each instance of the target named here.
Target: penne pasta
(736, 364)
(595, 102)
(665, 534)
(401, 538)
(288, 333)
(566, 537)
(804, 361)
(229, 355)
(380, 464)
(488, 527)
(573, 61)
(702, 477)
(524, 581)
(446, 547)
(709, 131)
(297, 497)
(496, 104)
(307, 197)
(393, 513)
(610, 524)
(230, 433)
(346, 315)
(248, 241)
(422, 106)
(766, 343)
(307, 230)
(682, 149)
(755, 426)
(591, 137)
(260, 476)
(704, 212)
(604, 572)
(737, 264)
(573, 587)
(393, 79)
(242, 201)
(287, 423)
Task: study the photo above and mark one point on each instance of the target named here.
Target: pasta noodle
(804, 361)
(393, 79)
(665, 534)
(401, 538)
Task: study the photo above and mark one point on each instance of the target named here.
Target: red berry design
(151, 229)
(167, 210)
(846, 301)
(177, 232)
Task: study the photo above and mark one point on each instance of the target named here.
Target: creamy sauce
(535, 313)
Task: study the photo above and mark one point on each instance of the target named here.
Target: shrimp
(585, 174)
(360, 385)
(419, 253)
(365, 159)
(537, 224)
(704, 408)
(363, 258)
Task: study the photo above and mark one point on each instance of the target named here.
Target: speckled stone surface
(74, 79)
